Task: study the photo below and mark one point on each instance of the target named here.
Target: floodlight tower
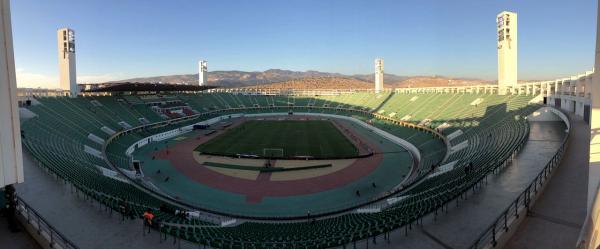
(66, 61)
(202, 72)
(507, 50)
(378, 75)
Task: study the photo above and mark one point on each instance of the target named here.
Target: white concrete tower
(11, 157)
(66, 61)
(202, 73)
(378, 75)
(507, 50)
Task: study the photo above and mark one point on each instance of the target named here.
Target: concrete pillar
(11, 157)
(594, 162)
(579, 85)
(588, 85)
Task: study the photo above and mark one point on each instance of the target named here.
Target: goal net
(273, 152)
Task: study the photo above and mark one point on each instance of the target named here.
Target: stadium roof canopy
(142, 87)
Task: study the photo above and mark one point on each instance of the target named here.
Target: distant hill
(320, 83)
(236, 78)
(288, 77)
(437, 81)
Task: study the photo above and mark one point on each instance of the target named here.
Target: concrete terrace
(562, 207)
(465, 221)
(89, 225)
(84, 222)
(20, 240)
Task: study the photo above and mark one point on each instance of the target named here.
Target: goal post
(273, 152)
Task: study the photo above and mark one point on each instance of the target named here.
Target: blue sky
(125, 38)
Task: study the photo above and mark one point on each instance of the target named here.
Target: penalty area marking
(336, 165)
(243, 174)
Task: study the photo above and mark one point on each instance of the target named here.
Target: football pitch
(282, 138)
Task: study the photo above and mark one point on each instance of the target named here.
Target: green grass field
(316, 138)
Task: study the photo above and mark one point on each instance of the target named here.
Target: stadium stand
(491, 129)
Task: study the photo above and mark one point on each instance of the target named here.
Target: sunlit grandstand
(307, 162)
(427, 150)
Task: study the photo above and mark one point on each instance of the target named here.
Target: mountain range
(245, 79)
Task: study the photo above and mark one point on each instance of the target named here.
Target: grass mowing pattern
(316, 138)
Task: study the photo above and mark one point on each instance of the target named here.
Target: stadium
(215, 159)
(147, 165)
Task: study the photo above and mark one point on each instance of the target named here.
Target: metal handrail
(43, 227)
(489, 237)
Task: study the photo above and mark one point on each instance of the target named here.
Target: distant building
(507, 50)
(202, 73)
(378, 75)
(66, 61)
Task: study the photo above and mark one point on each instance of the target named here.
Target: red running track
(181, 157)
